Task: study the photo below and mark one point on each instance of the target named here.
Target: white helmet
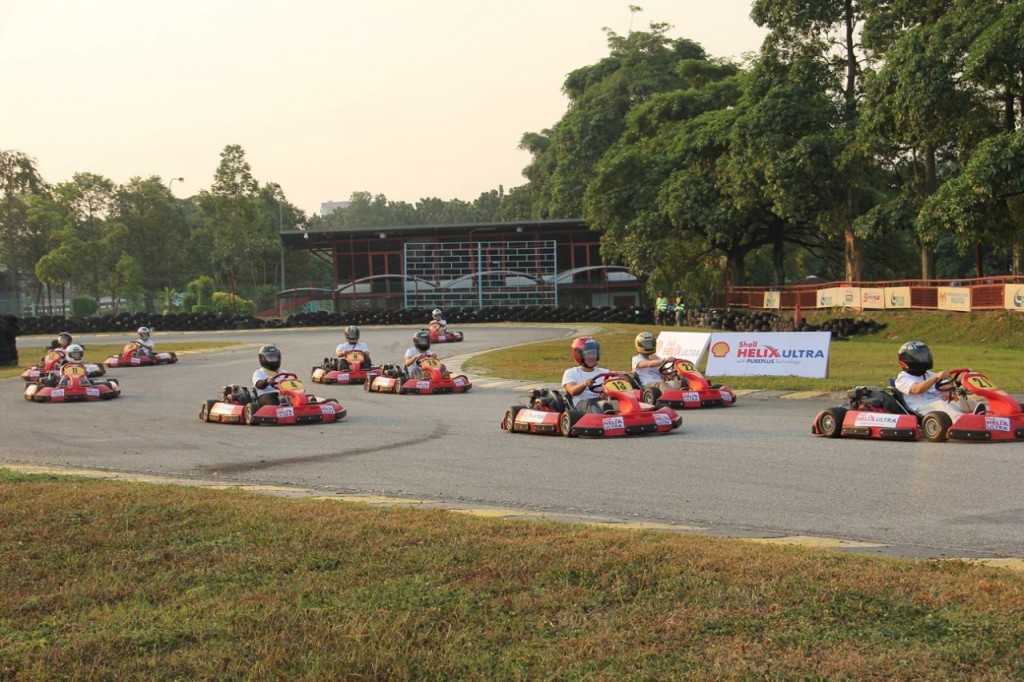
(437, 314)
(75, 352)
(144, 333)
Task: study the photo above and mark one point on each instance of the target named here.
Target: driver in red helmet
(918, 384)
(579, 380)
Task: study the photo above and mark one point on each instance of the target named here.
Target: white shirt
(577, 375)
(349, 347)
(646, 375)
(919, 401)
(414, 351)
(259, 375)
(148, 344)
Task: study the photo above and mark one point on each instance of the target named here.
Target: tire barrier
(9, 330)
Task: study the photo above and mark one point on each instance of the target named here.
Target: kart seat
(551, 400)
(393, 371)
(898, 397)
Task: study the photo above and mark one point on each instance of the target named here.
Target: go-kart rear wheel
(935, 425)
(830, 422)
(565, 423)
(249, 414)
(509, 424)
(651, 395)
(204, 411)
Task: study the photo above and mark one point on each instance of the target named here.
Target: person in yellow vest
(660, 307)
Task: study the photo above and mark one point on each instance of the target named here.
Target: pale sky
(405, 98)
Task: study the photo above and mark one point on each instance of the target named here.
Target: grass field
(987, 342)
(129, 581)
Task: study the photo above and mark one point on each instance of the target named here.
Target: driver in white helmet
(419, 352)
(351, 344)
(646, 363)
(579, 380)
(74, 354)
(267, 392)
(438, 324)
(144, 345)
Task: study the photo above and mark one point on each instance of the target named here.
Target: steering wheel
(598, 385)
(953, 385)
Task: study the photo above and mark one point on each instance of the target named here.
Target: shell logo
(720, 349)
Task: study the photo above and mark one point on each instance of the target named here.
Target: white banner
(1013, 296)
(772, 300)
(955, 298)
(802, 354)
(829, 298)
(683, 345)
(897, 297)
(872, 299)
(849, 297)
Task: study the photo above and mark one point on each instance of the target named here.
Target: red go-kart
(351, 368)
(238, 405)
(73, 385)
(1003, 419)
(51, 363)
(625, 415)
(132, 357)
(393, 379)
(694, 391)
(439, 334)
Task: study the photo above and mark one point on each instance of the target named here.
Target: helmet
(585, 347)
(915, 357)
(644, 342)
(421, 339)
(270, 358)
(64, 339)
(437, 314)
(144, 333)
(351, 333)
(76, 352)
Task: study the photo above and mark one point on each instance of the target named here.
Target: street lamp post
(171, 183)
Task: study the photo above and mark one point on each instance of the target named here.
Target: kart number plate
(662, 419)
(997, 424)
(327, 409)
(460, 382)
(92, 392)
(691, 397)
(57, 393)
(610, 423)
(343, 376)
(726, 395)
(421, 385)
(875, 419)
(285, 412)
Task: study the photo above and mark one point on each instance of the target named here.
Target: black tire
(935, 426)
(830, 422)
(510, 418)
(565, 423)
(249, 414)
(651, 395)
(204, 411)
(367, 385)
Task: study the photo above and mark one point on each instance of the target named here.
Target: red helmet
(584, 347)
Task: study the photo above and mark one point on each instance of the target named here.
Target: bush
(223, 302)
(84, 306)
(200, 308)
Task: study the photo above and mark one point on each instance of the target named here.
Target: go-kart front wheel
(509, 423)
(249, 414)
(204, 411)
(935, 425)
(651, 395)
(830, 422)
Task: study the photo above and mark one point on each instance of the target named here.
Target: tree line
(865, 140)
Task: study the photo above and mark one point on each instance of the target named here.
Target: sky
(403, 98)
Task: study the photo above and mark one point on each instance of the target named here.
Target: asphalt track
(752, 471)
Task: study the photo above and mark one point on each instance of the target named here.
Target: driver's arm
(263, 383)
(575, 389)
(653, 362)
(927, 384)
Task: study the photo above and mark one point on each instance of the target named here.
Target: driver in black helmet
(917, 383)
(263, 377)
(419, 352)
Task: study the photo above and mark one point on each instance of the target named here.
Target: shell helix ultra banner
(801, 354)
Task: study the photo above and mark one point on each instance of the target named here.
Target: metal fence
(480, 274)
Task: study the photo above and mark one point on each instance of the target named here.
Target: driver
(647, 363)
(144, 344)
(263, 378)
(419, 352)
(62, 341)
(352, 343)
(578, 381)
(437, 322)
(917, 383)
(75, 353)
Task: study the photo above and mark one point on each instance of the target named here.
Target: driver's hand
(943, 375)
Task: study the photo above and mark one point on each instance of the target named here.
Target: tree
(19, 180)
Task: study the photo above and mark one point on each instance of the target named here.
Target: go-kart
(71, 386)
(131, 356)
(351, 368)
(393, 379)
(694, 391)
(1003, 419)
(51, 362)
(238, 405)
(439, 334)
(549, 412)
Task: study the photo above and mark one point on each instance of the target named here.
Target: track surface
(752, 470)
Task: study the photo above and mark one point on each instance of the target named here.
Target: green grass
(107, 580)
(96, 353)
(987, 342)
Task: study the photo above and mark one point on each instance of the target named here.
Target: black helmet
(351, 333)
(421, 339)
(64, 339)
(270, 358)
(915, 357)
